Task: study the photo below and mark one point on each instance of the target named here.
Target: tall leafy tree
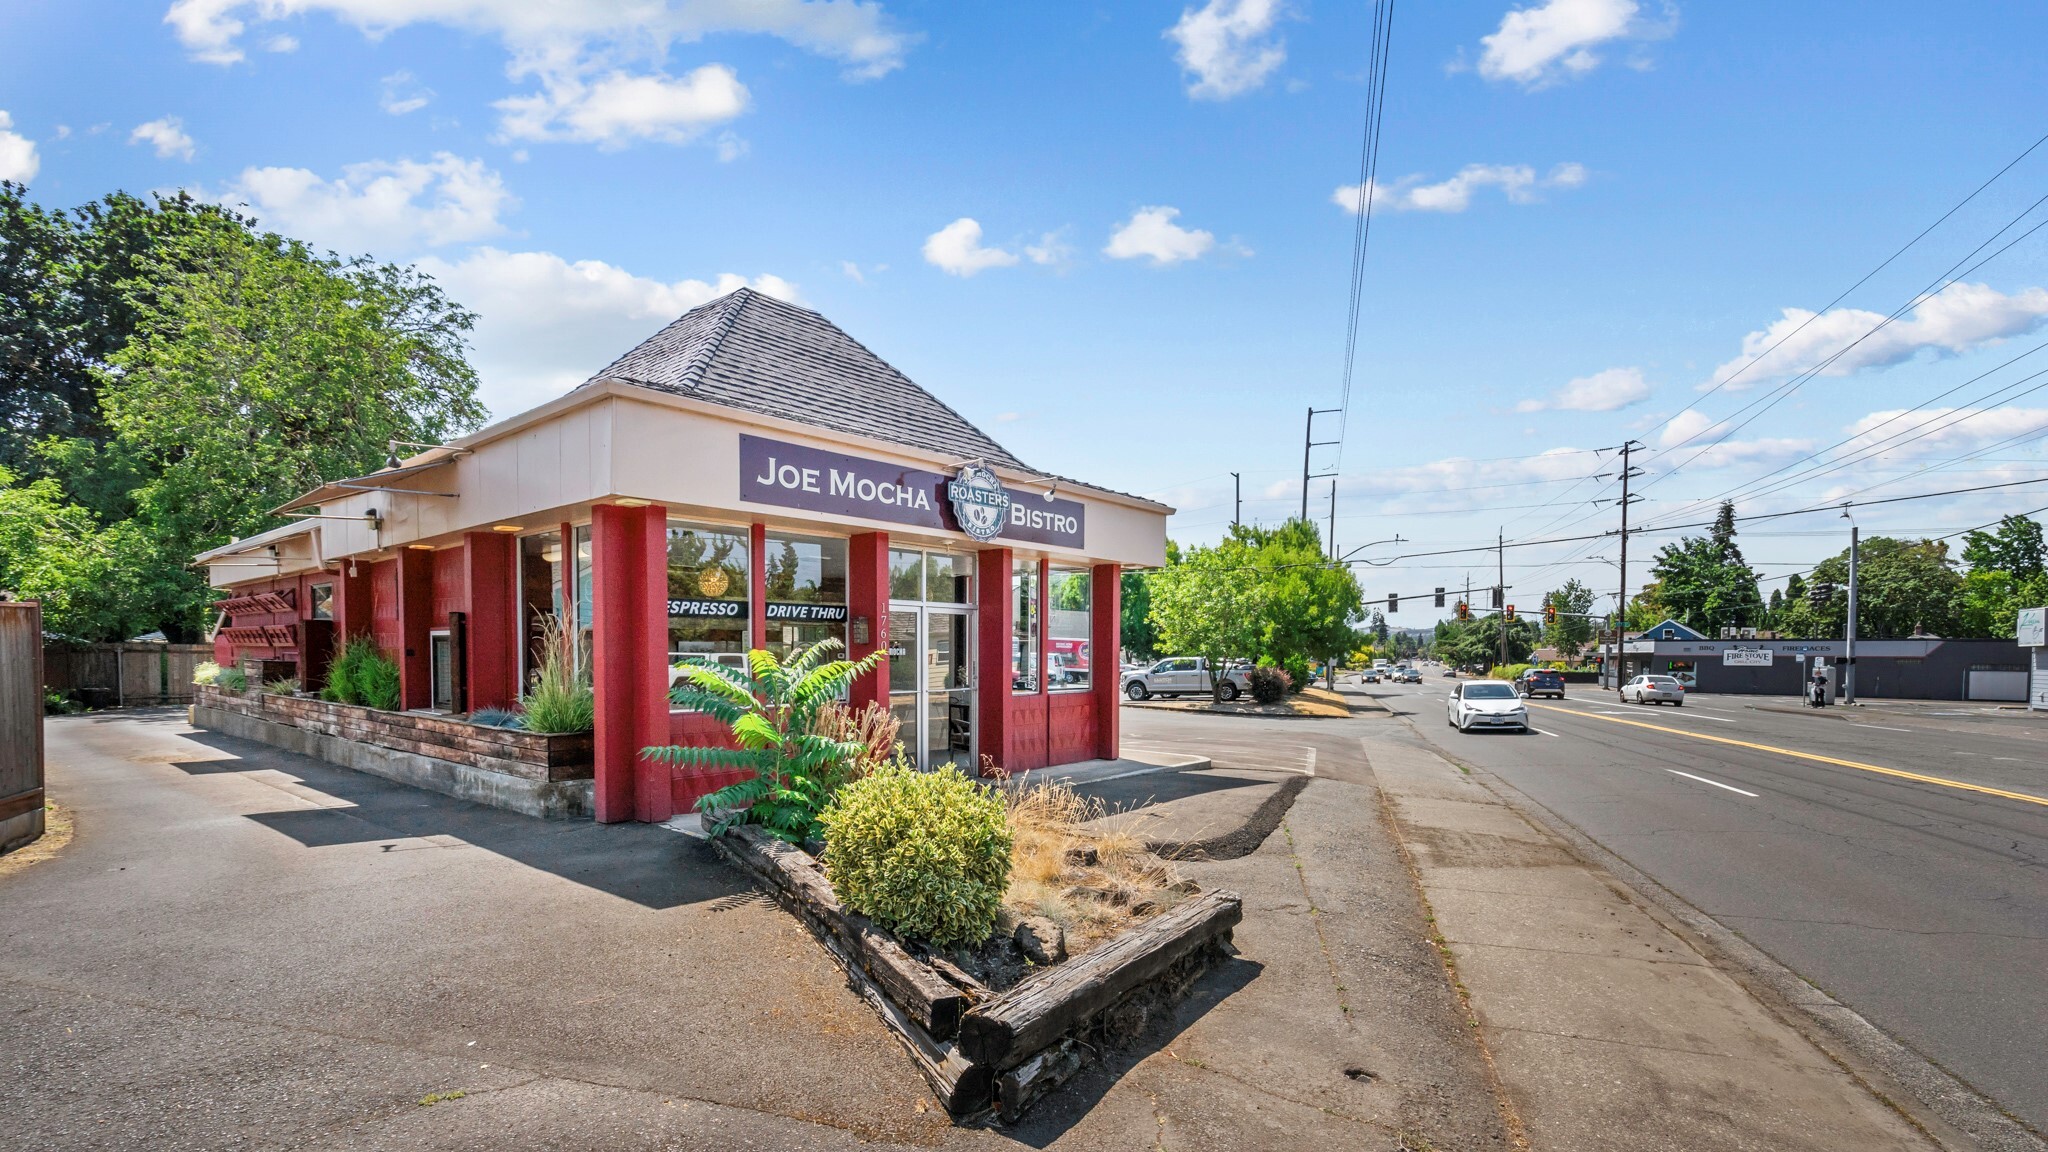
(1140, 636)
(1902, 586)
(1573, 630)
(2006, 574)
(1209, 604)
(1705, 583)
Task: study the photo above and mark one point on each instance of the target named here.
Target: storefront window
(540, 592)
(709, 580)
(948, 578)
(1068, 604)
(906, 574)
(1024, 627)
(586, 599)
(322, 606)
(806, 582)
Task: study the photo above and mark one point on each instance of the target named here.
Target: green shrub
(799, 752)
(232, 680)
(1298, 674)
(282, 686)
(497, 718)
(205, 672)
(362, 674)
(1268, 684)
(559, 699)
(1508, 671)
(925, 854)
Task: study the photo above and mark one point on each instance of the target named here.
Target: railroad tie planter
(983, 1051)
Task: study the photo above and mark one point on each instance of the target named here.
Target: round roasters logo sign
(979, 502)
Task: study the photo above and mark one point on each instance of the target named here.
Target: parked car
(1486, 704)
(1541, 682)
(1183, 676)
(1653, 690)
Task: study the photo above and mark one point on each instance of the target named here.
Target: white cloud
(18, 160)
(852, 271)
(1608, 391)
(1901, 434)
(1228, 46)
(619, 107)
(1052, 248)
(730, 146)
(400, 93)
(1959, 319)
(598, 62)
(956, 249)
(545, 324)
(167, 136)
(1518, 182)
(1555, 40)
(1695, 431)
(281, 43)
(1151, 233)
(383, 206)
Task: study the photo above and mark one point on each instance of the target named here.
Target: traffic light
(1549, 614)
(1820, 594)
(1510, 613)
(1496, 595)
(1393, 602)
(1464, 610)
(1439, 597)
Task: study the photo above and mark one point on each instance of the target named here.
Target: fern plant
(773, 712)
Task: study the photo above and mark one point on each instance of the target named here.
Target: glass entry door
(931, 684)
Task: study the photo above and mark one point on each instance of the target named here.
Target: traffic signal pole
(1500, 557)
(1849, 632)
(1621, 616)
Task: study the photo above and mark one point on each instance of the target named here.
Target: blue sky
(1109, 233)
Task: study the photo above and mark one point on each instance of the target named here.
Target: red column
(757, 587)
(994, 605)
(352, 601)
(629, 625)
(491, 570)
(1105, 662)
(867, 598)
(415, 621)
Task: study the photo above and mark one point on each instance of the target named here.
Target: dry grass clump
(873, 726)
(1074, 863)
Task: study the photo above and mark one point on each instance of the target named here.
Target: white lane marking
(1541, 732)
(1715, 783)
(1702, 716)
(2009, 759)
(1962, 753)
(1879, 727)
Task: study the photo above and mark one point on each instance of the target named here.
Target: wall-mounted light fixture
(1052, 491)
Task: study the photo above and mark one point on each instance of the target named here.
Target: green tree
(1902, 586)
(2006, 574)
(1140, 636)
(1704, 582)
(1573, 630)
(1309, 604)
(2014, 547)
(1211, 605)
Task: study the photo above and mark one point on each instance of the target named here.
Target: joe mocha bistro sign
(973, 502)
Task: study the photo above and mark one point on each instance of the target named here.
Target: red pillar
(1105, 661)
(757, 586)
(491, 569)
(995, 607)
(629, 625)
(352, 602)
(415, 621)
(867, 598)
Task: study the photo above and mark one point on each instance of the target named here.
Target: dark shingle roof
(753, 352)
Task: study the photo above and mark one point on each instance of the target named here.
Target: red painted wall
(629, 551)
(1106, 661)
(450, 585)
(383, 578)
(867, 596)
(992, 709)
(490, 560)
(415, 573)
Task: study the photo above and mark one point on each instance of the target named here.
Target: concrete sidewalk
(1608, 1027)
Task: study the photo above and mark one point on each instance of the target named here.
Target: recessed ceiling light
(632, 502)
(421, 547)
(505, 528)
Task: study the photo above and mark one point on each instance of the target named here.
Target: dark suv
(1542, 682)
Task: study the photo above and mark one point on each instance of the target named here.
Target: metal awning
(380, 481)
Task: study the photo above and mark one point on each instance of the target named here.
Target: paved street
(1920, 904)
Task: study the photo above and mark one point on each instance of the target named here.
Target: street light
(1346, 558)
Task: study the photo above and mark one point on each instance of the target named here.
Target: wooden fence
(123, 675)
(21, 723)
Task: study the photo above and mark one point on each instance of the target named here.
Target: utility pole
(1849, 632)
(1309, 443)
(1236, 499)
(1500, 555)
(1333, 517)
(1621, 617)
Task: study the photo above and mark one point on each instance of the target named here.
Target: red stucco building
(750, 476)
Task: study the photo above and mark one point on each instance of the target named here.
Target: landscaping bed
(535, 756)
(995, 1027)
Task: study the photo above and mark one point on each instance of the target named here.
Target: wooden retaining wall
(527, 755)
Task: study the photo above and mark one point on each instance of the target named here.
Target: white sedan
(1487, 704)
(1653, 690)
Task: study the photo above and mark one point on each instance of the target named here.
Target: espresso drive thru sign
(972, 502)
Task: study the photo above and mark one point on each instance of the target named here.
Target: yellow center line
(1796, 754)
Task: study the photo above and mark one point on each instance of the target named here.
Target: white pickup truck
(1182, 676)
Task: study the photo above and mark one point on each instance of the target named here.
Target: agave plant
(772, 711)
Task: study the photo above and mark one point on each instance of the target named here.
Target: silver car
(1486, 704)
(1654, 690)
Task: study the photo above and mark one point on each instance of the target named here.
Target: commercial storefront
(749, 477)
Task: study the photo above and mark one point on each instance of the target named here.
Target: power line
(1368, 182)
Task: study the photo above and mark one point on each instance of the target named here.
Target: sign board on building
(2033, 628)
(1746, 657)
(799, 476)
